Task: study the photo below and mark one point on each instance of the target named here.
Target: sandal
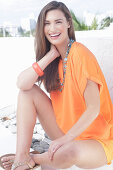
(15, 165)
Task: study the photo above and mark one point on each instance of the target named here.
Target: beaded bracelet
(37, 69)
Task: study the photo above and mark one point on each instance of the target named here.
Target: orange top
(69, 104)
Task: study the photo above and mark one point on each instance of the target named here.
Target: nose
(52, 28)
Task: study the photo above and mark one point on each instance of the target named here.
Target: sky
(14, 10)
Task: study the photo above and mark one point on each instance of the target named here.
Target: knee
(69, 155)
(64, 157)
(32, 95)
(75, 155)
(29, 92)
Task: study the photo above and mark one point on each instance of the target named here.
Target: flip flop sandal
(15, 165)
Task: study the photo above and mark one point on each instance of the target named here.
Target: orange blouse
(69, 104)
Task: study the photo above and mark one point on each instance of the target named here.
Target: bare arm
(92, 100)
(28, 77)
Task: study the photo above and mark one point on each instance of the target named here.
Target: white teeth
(53, 35)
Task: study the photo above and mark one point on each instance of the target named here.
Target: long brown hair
(42, 45)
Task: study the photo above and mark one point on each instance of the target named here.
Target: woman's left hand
(56, 144)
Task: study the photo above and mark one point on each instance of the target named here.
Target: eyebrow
(55, 20)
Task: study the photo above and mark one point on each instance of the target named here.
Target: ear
(68, 24)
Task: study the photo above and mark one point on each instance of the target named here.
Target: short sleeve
(86, 67)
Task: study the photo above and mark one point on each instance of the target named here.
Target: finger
(51, 158)
(50, 151)
(49, 154)
(55, 149)
(53, 152)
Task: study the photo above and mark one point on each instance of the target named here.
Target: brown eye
(58, 22)
(46, 23)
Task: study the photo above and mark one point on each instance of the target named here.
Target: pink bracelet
(37, 69)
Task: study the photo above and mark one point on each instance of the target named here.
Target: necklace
(65, 65)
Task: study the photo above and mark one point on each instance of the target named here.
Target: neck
(63, 48)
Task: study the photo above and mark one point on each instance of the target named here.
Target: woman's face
(56, 27)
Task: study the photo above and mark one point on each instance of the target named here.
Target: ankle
(23, 163)
(22, 156)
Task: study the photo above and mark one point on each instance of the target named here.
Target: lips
(55, 35)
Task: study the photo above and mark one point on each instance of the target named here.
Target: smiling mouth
(54, 35)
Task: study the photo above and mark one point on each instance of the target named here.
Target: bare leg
(33, 103)
(86, 154)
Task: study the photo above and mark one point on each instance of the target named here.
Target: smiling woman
(54, 21)
(56, 27)
(78, 116)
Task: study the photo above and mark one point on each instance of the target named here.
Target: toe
(7, 158)
(7, 166)
(7, 163)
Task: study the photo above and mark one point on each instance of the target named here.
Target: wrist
(37, 69)
(70, 136)
(51, 55)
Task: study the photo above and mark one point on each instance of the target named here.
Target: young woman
(78, 116)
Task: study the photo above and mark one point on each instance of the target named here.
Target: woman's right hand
(54, 52)
(28, 77)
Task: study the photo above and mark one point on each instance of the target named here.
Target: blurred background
(93, 23)
(18, 17)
